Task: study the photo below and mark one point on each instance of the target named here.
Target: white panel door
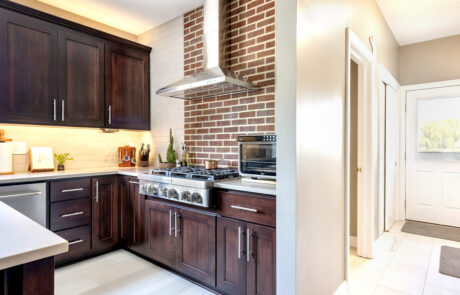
(433, 155)
(391, 153)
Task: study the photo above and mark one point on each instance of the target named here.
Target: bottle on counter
(185, 162)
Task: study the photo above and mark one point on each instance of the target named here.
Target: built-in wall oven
(28, 199)
(257, 156)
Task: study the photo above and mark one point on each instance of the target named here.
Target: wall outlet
(19, 148)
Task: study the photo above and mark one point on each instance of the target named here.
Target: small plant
(171, 152)
(62, 158)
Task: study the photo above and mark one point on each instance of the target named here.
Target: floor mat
(432, 230)
(450, 261)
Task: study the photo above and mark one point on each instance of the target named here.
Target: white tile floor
(121, 272)
(406, 264)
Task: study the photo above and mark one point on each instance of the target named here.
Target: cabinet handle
(54, 110)
(134, 182)
(176, 229)
(72, 190)
(110, 115)
(76, 242)
(170, 222)
(239, 242)
(63, 108)
(244, 208)
(97, 191)
(248, 252)
(72, 214)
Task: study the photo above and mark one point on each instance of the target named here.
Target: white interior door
(433, 155)
(391, 153)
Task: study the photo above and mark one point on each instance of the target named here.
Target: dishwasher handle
(19, 195)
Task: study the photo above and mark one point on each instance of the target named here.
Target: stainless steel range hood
(215, 79)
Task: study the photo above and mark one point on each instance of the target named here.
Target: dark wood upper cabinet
(261, 268)
(81, 79)
(28, 69)
(159, 234)
(231, 256)
(196, 251)
(127, 87)
(105, 212)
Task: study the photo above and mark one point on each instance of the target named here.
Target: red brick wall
(213, 124)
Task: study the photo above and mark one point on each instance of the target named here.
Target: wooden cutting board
(126, 154)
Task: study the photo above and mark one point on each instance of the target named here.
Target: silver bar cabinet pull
(175, 224)
(63, 108)
(134, 182)
(239, 242)
(97, 191)
(72, 190)
(248, 252)
(54, 110)
(170, 222)
(110, 114)
(75, 242)
(244, 208)
(72, 214)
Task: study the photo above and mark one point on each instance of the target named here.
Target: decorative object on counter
(170, 154)
(41, 159)
(61, 159)
(144, 155)
(210, 164)
(178, 164)
(127, 156)
(6, 155)
(184, 155)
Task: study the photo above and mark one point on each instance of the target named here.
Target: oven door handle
(19, 195)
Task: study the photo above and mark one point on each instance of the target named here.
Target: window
(438, 124)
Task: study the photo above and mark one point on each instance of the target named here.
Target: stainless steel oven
(257, 156)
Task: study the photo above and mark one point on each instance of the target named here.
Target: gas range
(190, 185)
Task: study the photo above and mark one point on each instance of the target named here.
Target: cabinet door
(81, 79)
(196, 255)
(126, 211)
(105, 212)
(159, 232)
(28, 69)
(127, 87)
(231, 256)
(137, 201)
(261, 263)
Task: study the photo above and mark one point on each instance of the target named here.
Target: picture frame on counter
(41, 159)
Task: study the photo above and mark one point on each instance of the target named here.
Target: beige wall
(430, 61)
(354, 149)
(75, 18)
(320, 203)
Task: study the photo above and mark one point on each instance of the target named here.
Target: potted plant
(170, 154)
(61, 159)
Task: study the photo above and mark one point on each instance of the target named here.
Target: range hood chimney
(215, 79)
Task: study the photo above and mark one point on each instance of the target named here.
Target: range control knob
(164, 191)
(172, 194)
(196, 198)
(186, 196)
(152, 190)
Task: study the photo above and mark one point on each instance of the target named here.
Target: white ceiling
(132, 16)
(415, 21)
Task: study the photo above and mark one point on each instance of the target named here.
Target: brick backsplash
(213, 124)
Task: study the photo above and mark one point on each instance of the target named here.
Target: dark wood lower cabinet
(131, 214)
(105, 213)
(231, 256)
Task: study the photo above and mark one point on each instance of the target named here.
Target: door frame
(357, 51)
(385, 78)
(401, 200)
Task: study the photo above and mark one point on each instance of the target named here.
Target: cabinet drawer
(79, 239)
(247, 207)
(69, 214)
(70, 189)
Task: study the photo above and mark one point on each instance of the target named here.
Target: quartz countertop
(43, 176)
(22, 240)
(247, 186)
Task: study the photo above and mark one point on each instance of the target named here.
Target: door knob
(359, 169)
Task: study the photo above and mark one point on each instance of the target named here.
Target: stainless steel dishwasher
(29, 199)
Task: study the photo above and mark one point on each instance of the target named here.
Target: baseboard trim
(353, 241)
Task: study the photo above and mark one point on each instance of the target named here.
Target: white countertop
(43, 176)
(22, 240)
(247, 186)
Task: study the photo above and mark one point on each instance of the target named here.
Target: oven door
(257, 159)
